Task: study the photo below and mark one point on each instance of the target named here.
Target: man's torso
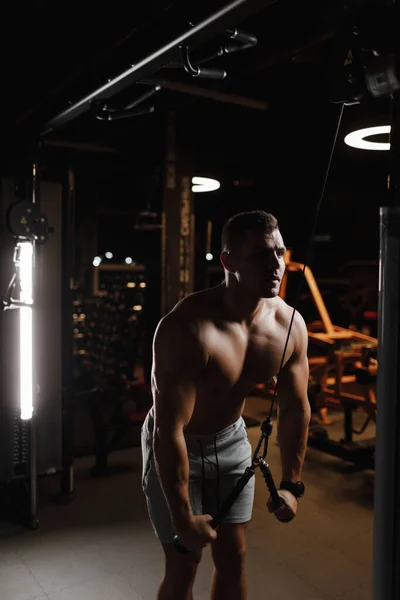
(240, 357)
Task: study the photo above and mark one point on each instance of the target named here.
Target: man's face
(258, 263)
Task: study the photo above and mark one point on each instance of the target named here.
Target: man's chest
(238, 357)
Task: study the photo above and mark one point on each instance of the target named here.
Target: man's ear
(226, 261)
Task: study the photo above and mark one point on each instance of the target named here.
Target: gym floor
(101, 545)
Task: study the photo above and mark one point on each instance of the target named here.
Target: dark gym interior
(109, 114)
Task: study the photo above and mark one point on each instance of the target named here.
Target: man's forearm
(292, 434)
(172, 465)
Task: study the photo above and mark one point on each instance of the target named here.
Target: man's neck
(242, 307)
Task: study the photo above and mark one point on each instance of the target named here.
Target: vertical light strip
(26, 333)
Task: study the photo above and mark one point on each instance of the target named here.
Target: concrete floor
(101, 545)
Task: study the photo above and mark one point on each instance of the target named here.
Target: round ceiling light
(356, 139)
(204, 184)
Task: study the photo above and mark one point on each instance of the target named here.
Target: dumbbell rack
(108, 330)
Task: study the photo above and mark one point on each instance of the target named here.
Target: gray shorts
(216, 462)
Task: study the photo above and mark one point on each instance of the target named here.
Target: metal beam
(80, 146)
(201, 92)
(225, 18)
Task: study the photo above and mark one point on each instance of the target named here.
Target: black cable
(308, 253)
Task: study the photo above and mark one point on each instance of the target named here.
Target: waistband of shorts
(218, 436)
(207, 438)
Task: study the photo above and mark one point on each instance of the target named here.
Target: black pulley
(347, 71)
(383, 76)
(25, 221)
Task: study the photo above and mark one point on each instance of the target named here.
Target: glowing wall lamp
(204, 184)
(356, 139)
(25, 250)
(30, 227)
(97, 261)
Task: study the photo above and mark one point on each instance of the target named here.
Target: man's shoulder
(284, 315)
(180, 340)
(197, 301)
(196, 307)
(190, 315)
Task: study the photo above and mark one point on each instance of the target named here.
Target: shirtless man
(209, 352)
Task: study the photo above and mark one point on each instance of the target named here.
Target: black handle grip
(269, 480)
(178, 546)
(210, 73)
(275, 497)
(242, 36)
(225, 507)
(196, 71)
(246, 40)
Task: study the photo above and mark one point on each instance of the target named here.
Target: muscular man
(209, 352)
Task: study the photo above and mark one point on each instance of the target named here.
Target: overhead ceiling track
(225, 18)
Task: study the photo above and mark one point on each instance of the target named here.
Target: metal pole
(386, 585)
(163, 264)
(209, 236)
(67, 281)
(32, 474)
(228, 16)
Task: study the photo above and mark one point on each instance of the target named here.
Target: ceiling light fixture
(204, 184)
(356, 139)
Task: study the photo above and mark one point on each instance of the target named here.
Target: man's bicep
(293, 381)
(293, 385)
(174, 402)
(178, 360)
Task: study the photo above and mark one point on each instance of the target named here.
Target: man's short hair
(236, 228)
